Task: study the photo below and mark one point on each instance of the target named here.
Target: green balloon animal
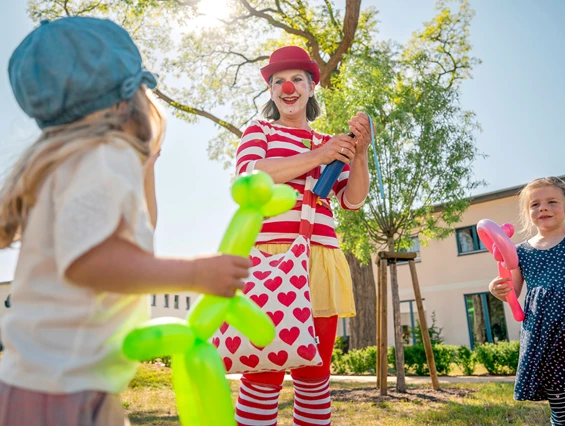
(202, 392)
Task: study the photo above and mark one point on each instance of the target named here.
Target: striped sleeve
(339, 190)
(252, 148)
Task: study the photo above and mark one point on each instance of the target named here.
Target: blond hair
(526, 225)
(57, 144)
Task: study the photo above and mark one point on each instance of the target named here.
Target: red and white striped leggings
(258, 401)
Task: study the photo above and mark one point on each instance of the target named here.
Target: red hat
(290, 58)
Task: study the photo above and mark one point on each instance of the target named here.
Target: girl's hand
(500, 288)
(340, 147)
(361, 128)
(219, 274)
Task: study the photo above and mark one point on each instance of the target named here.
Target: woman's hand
(361, 128)
(500, 288)
(340, 147)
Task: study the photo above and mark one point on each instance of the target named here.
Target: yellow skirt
(331, 288)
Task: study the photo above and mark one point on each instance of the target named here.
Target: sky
(517, 94)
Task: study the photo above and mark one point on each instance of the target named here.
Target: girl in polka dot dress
(541, 368)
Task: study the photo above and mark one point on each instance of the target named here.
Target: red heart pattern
(260, 300)
(289, 335)
(261, 275)
(259, 348)
(276, 317)
(248, 287)
(274, 283)
(286, 266)
(307, 352)
(301, 315)
(287, 298)
(298, 249)
(232, 343)
(278, 358)
(279, 285)
(224, 327)
(250, 361)
(299, 281)
(276, 262)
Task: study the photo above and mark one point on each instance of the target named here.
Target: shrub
(444, 357)
(499, 358)
(433, 330)
(342, 343)
(339, 364)
(466, 360)
(415, 360)
(371, 359)
(356, 361)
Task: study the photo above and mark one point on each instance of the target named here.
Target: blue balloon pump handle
(333, 170)
(329, 176)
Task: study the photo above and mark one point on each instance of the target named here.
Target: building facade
(454, 274)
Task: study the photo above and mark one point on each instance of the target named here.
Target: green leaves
(425, 139)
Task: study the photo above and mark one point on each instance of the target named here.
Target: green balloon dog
(202, 392)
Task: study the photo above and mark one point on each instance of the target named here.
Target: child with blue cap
(81, 200)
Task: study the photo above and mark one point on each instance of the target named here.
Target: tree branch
(332, 16)
(350, 22)
(312, 41)
(196, 111)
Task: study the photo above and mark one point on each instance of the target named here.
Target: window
(176, 301)
(187, 303)
(153, 300)
(485, 319)
(408, 316)
(414, 248)
(468, 241)
(166, 300)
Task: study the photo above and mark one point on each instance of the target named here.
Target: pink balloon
(508, 229)
(497, 240)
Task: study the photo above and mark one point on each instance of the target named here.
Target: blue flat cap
(71, 67)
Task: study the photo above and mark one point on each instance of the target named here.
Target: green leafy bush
(339, 364)
(499, 358)
(466, 360)
(342, 343)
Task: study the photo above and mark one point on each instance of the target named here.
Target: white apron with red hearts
(279, 285)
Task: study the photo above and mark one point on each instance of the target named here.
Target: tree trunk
(399, 348)
(362, 326)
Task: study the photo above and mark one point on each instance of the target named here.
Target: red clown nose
(288, 87)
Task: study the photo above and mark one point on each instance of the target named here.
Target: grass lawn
(149, 401)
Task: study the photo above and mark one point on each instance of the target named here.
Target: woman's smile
(290, 100)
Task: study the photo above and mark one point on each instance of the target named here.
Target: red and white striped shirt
(265, 140)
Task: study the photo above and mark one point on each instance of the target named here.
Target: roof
(493, 195)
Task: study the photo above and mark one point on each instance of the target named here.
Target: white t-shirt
(59, 337)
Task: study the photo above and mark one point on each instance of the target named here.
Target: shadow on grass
(370, 394)
(491, 404)
(152, 418)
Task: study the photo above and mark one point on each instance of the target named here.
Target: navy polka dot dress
(542, 339)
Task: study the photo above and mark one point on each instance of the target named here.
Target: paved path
(411, 380)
